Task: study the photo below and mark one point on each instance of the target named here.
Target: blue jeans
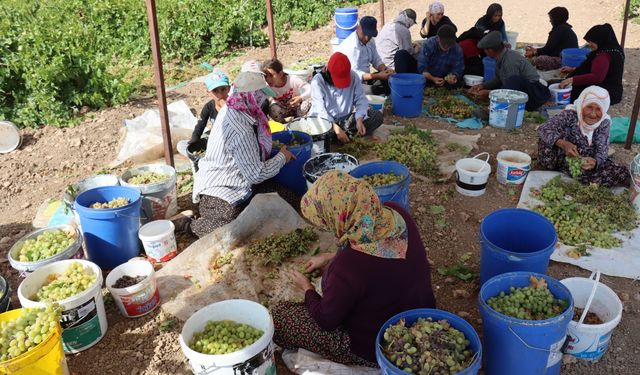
(537, 92)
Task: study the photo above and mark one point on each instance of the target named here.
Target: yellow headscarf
(351, 209)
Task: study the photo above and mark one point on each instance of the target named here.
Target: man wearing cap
(513, 71)
(360, 49)
(441, 60)
(395, 36)
(335, 92)
(237, 164)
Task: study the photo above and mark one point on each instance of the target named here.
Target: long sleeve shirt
(334, 104)
(484, 26)
(232, 163)
(560, 37)
(360, 291)
(208, 113)
(511, 63)
(393, 37)
(565, 126)
(439, 63)
(361, 56)
(599, 70)
(432, 30)
(294, 86)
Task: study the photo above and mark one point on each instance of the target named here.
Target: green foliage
(59, 55)
(634, 10)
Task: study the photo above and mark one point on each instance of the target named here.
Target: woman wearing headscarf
(560, 37)
(237, 163)
(379, 270)
(604, 65)
(582, 130)
(434, 20)
(492, 21)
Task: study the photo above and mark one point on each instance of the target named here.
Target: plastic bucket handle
(346, 28)
(485, 161)
(213, 368)
(529, 346)
(511, 258)
(593, 293)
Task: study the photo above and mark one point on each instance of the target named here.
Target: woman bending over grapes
(582, 131)
(379, 270)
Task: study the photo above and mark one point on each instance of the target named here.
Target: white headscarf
(592, 94)
(436, 7)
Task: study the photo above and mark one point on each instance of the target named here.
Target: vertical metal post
(634, 118)
(382, 13)
(624, 22)
(272, 33)
(159, 75)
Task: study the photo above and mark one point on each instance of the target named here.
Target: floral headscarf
(592, 94)
(350, 208)
(249, 103)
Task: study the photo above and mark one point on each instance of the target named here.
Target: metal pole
(159, 75)
(272, 33)
(634, 118)
(624, 22)
(382, 12)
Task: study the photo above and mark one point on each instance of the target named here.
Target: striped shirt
(232, 162)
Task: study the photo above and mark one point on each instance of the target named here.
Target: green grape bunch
(534, 302)
(223, 337)
(75, 280)
(575, 166)
(147, 178)
(114, 203)
(413, 147)
(427, 347)
(23, 333)
(383, 179)
(46, 245)
(276, 249)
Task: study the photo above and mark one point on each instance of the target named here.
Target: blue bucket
(410, 317)
(406, 94)
(574, 57)
(398, 192)
(523, 347)
(515, 239)
(489, 68)
(346, 21)
(110, 235)
(291, 175)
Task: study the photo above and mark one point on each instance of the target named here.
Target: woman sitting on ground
(237, 163)
(604, 65)
(379, 270)
(560, 37)
(582, 130)
(293, 95)
(492, 21)
(434, 20)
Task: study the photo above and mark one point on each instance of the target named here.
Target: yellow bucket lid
(276, 126)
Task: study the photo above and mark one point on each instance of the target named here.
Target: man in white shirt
(360, 48)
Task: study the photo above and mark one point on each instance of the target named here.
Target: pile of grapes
(586, 214)
(147, 178)
(224, 336)
(412, 147)
(276, 249)
(357, 147)
(534, 302)
(575, 166)
(382, 179)
(114, 203)
(19, 335)
(75, 279)
(427, 347)
(46, 245)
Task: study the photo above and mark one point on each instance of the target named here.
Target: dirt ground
(51, 158)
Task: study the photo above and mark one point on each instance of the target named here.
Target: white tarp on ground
(623, 261)
(304, 362)
(143, 139)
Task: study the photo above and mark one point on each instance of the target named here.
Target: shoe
(182, 221)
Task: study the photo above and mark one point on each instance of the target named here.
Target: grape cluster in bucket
(223, 337)
(46, 245)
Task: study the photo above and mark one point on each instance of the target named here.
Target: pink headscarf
(247, 102)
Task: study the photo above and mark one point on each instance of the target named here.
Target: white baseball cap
(250, 82)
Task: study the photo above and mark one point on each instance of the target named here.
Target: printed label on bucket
(555, 353)
(516, 173)
(499, 112)
(142, 302)
(590, 347)
(563, 97)
(161, 251)
(81, 326)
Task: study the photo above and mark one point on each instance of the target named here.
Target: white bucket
(159, 201)
(560, 96)
(139, 299)
(635, 182)
(591, 341)
(471, 80)
(512, 38)
(159, 240)
(513, 167)
(84, 321)
(506, 110)
(323, 163)
(376, 102)
(319, 130)
(335, 43)
(255, 359)
(303, 74)
(472, 175)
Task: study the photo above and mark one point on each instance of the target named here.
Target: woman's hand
(295, 101)
(566, 83)
(288, 156)
(362, 130)
(342, 136)
(566, 70)
(569, 148)
(301, 281)
(530, 51)
(318, 262)
(438, 81)
(588, 163)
